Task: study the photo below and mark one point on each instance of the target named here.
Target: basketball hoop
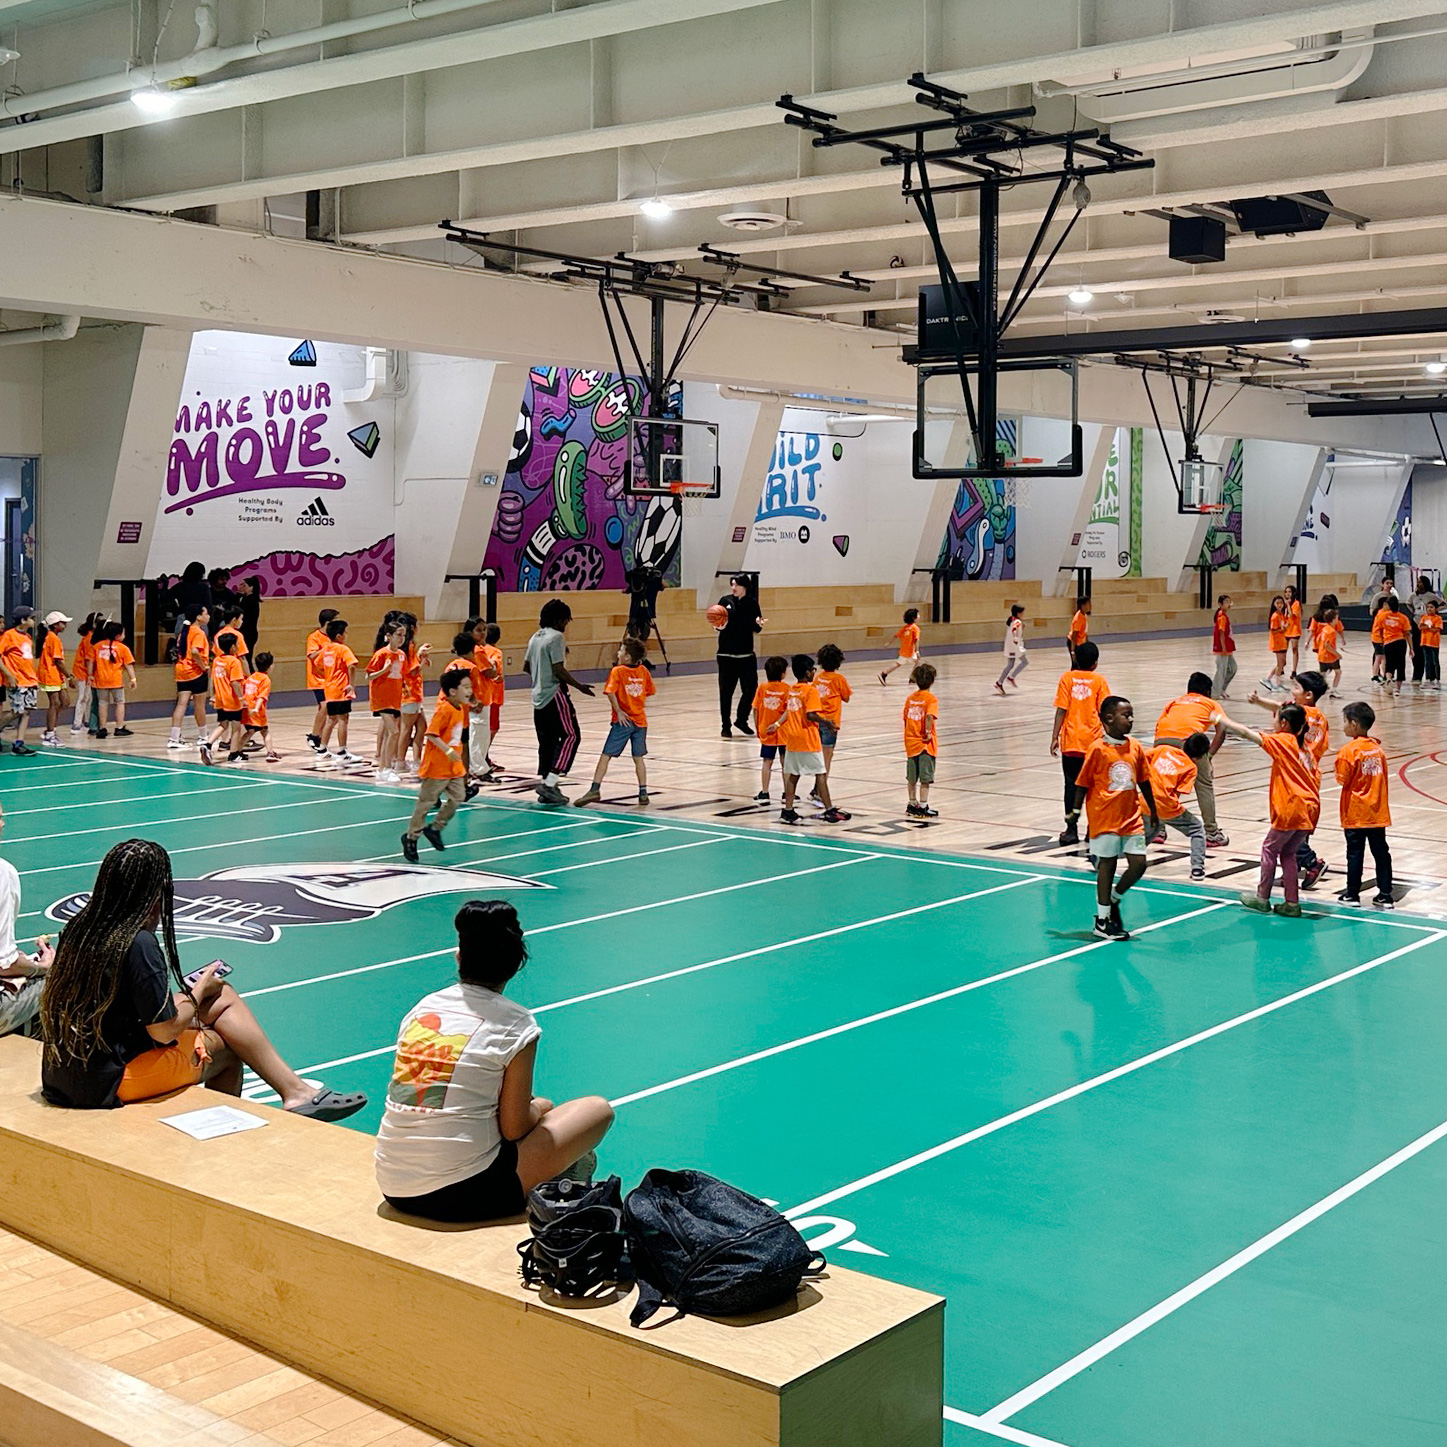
(1202, 487)
(692, 496)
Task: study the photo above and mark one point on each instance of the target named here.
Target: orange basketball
(716, 614)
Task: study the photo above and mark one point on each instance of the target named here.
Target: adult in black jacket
(738, 666)
(248, 599)
(192, 593)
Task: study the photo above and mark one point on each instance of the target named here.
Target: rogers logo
(316, 516)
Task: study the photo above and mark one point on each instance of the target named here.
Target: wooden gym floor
(1176, 1190)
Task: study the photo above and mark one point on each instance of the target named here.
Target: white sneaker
(50, 741)
(388, 776)
(349, 758)
(328, 761)
(177, 744)
(77, 728)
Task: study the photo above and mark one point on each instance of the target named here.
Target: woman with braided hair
(114, 1029)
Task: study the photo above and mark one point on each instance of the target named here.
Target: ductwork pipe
(376, 382)
(209, 57)
(61, 329)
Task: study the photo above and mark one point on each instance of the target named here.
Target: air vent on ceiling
(752, 218)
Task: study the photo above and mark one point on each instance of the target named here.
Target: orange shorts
(162, 1070)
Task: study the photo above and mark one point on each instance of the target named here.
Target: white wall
(21, 374)
(1275, 494)
(1429, 517)
(1361, 502)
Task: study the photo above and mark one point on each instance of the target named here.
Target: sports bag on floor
(577, 1245)
(700, 1245)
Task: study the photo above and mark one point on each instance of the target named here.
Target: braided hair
(133, 882)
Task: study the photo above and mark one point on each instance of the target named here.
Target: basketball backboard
(668, 456)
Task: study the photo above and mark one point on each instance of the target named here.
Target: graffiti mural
(979, 540)
(563, 522)
(1399, 545)
(1222, 548)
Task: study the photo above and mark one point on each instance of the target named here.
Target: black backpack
(703, 1246)
(577, 1247)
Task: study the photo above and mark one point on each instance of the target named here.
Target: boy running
(921, 742)
(1361, 770)
(1114, 777)
(629, 687)
(908, 636)
(442, 771)
(1078, 699)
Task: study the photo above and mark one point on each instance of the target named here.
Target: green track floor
(931, 1063)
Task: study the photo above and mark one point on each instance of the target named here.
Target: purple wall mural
(307, 575)
(563, 522)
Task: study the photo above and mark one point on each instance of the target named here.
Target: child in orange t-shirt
(335, 662)
(488, 717)
(1079, 629)
(228, 679)
(443, 772)
(1114, 777)
(384, 689)
(193, 676)
(908, 637)
(1173, 773)
(1293, 625)
(1429, 628)
(1078, 698)
(834, 693)
(316, 640)
(629, 687)
(414, 720)
(81, 671)
(1361, 770)
(771, 700)
(803, 747)
(1295, 804)
(50, 668)
(112, 659)
(17, 667)
(921, 742)
(255, 697)
(1276, 642)
(1395, 631)
(1327, 634)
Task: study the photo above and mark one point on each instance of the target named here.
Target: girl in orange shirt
(1326, 642)
(51, 672)
(384, 688)
(112, 659)
(84, 668)
(1276, 642)
(1295, 805)
(1293, 625)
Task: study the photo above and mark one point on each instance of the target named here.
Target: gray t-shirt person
(545, 653)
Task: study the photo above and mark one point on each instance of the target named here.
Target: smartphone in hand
(221, 967)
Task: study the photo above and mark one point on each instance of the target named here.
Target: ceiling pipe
(596, 21)
(209, 56)
(61, 329)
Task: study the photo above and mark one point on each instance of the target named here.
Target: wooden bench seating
(277, 1236)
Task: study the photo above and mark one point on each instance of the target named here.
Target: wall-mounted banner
(1222, 548)
(1105, 547)
(272, 472)
(563, 522)
(1399, 545)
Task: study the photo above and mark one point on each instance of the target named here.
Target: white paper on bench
(208, 1125)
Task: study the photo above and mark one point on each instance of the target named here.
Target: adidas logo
(315, 515)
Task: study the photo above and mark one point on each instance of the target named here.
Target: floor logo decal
(255, 904)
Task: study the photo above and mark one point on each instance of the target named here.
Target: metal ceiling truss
(963, 150)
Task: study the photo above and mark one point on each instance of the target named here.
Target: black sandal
(328, 1105)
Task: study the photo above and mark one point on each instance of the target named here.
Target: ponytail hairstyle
(133, 883)
(1293, 716)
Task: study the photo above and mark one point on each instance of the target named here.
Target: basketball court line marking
(154, 823)
(641, 854)
(561, 924)
(712, 964)
(996, 1429)
(920, 1158)
(1147, 1319)
(130, 799)
(895, 1010)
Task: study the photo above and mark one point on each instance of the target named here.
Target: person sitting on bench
(463, 1137)
(116, 1032)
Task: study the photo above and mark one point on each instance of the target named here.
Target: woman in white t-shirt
(463, 1137)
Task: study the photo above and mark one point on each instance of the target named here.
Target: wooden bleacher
(277, 1238)
(861, 619)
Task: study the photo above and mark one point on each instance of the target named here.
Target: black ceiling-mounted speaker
(1197, 239)
(1277, 216)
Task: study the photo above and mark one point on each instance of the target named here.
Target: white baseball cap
(51, 619)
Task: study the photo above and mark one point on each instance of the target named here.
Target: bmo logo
(316, 516)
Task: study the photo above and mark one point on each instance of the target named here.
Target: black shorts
(228, 715)
(338, 707)
(386, 713)
(192, 685)
(319, 695)
(490, 1196)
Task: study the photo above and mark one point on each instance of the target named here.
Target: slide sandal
(328, 1105)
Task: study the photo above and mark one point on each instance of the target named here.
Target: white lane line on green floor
(1096, 1081)
(560, 925)
(923, 1003)
(996, 1429)
(1147, 1319)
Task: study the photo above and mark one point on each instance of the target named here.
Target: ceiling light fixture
(1081, 296)
(656, 209)
(153, 102)
(1300, 344)
(7, 55)
(1435, 369)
